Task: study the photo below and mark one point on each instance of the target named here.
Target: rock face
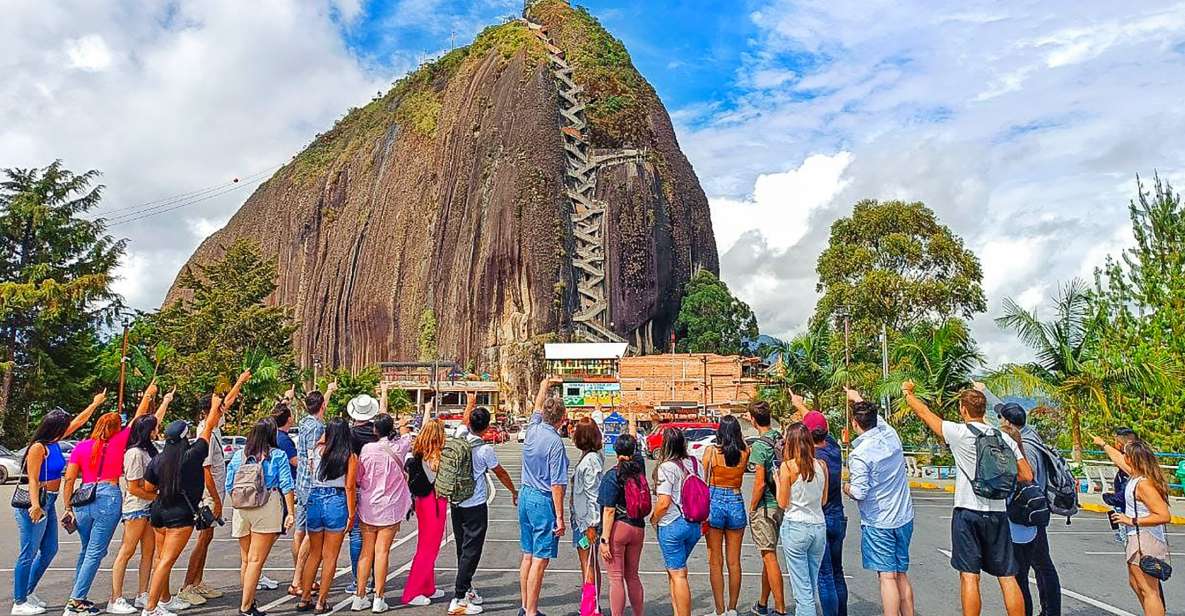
(447, 194)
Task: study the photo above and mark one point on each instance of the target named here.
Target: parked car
(495, 435)
(696, 448)
(692, 431)
(231, 444)
(10, 465)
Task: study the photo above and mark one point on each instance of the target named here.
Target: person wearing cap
(833, 588)
(1030, 543)
(362, 410)
(879, 483)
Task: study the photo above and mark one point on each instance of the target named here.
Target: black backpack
(995, 465)
(1028, 506)
(417, 480)
(1061, 488)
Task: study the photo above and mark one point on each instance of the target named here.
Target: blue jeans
(803, 544)
(355, 545)
(96, 525)
(677, 540)
(39, 545)
(833, 588)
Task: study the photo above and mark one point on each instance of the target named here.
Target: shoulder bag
(1151, 565)
(85, 494)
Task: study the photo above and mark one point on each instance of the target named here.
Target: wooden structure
(442, 384)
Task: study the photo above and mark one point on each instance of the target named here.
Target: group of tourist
(360, 477)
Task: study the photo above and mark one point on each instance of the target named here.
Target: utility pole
(847, 362)
(123, 364)
(885, 367)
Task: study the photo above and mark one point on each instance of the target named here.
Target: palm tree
(807, 364)
(1068, 369)
(940, 359)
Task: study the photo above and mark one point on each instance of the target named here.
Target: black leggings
(1035, 555)
(469, 533)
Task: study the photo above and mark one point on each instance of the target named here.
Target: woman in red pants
(430, 515)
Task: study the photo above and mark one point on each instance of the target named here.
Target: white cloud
(1022, 125)
(88, 53)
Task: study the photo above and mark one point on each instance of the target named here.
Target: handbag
(21, 499)
(1151, 565)
(203, 517)
(85, 494)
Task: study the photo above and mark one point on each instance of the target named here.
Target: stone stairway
(592, 318)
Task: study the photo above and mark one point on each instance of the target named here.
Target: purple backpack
(694, 497)
(637, 497)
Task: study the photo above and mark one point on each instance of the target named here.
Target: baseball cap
(1012, 412)
(815, 421)
(177, 430)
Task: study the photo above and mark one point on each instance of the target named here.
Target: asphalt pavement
(1090, 565)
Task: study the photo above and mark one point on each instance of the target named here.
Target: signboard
(613, 427)
(592, 394)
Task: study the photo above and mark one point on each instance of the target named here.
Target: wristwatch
(605, 540)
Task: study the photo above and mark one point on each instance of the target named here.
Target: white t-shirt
(484, 461)
(962, 447)
(215, 459)
(670, 482)
(135, 462)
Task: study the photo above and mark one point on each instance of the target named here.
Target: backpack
(417, 479)
(694, 497)
(247, 491)
(771, 469)
(637, 497)
(454, 478)
(1028, 506)
(1061, 488)
(995, 465)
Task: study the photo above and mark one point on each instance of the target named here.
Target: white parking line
(1106, 607)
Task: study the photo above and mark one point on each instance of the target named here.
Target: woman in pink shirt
(383, 503)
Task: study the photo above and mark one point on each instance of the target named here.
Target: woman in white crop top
(802, 490)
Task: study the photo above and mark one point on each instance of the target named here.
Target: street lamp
(123, 361)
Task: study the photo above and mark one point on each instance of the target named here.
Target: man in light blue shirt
(879, 483)
(541, 502)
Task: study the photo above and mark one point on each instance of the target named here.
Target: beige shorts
(764, 524)
(266, 519)
(1150, 545)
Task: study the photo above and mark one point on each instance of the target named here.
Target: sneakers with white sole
(473, 597)
(439, 594)
(28, 608)
(207, 591)
(419, 601)
(35, 600)
(141, 600)
(359, 604)
(460, 607)
(176, 604)
(266, 583)
(191, 597)
(120, 606)
(379, 606)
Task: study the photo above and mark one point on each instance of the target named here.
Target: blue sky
(1022, 124)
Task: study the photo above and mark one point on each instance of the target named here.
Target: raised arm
(80, 420)
(233, 394)
(213, 419)
(919, 408)
(164, 406)
(383, 389)
(544, 387)
(800, 407)
(470, 404)
(853, 395)
(145, 400)
(1116, 456)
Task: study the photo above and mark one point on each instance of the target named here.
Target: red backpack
(637, 497)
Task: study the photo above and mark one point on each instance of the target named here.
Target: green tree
(1142, 293)
(349, 385)
(893, 264)
(941, 361)
(55, 291)
(222, 324)
(427, 339)
(807, 364)
(711, 320)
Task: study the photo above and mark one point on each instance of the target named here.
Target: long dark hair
(335, 456)
(52, 428)
(261, 440)
(729, 440)
(168, 468)
(626, 446)
(140, 435)
(674, 448)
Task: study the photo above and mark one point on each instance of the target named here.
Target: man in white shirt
(980, 538)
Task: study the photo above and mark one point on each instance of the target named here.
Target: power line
(169, 207)
(187, 195)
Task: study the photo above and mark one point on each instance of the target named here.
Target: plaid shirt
(311, 430)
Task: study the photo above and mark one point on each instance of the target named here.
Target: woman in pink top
(383, 502)
(99, 461)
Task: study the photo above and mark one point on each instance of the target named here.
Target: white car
(10, 465)
(697, 448)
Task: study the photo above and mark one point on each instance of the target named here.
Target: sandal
(295, 591)
(321, 609)
(304, 606)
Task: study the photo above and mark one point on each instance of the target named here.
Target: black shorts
(981, 541)
(170, 517)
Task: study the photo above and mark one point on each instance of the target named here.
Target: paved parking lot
(1090, 564)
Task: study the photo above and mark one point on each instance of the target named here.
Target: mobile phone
(583, 542)
(1111, 518)
(69, 524)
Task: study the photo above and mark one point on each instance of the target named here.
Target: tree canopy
(711, 319)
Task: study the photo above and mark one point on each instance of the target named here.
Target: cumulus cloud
(1022, 125)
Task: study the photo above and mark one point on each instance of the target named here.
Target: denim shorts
(677, 540)
(727, 510)
(326, 511)
(141, 514)
(536, 524)
(301, 523)
(886, 550)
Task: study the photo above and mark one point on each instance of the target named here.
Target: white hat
(362, 408)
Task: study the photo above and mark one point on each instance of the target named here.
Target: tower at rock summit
(525, 188)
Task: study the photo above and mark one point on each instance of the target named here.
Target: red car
(495, 435)
(692, 430)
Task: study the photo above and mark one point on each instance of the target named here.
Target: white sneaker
(420, 600)
(439, 594)
(380, 605)
(190, 596)
(176, 604)
(159, 611)
(359, 604)
(35, 600)
(120, 606)
(141, 600)
(266, 583)
(28, 608)
(459, 606)
(473, 597)
(730, 613)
